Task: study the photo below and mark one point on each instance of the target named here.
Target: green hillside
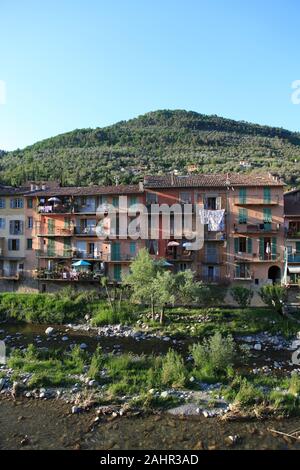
(156, 142)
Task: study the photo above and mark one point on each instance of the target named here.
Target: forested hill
(157, 142)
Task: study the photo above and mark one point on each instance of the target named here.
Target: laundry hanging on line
(214, 219)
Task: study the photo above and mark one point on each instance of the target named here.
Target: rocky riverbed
(40, 424)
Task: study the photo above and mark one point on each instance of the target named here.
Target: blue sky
(85, 63)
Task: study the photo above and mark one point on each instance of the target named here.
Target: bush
(97, 362)
(106, 316)
(242, 296)
(248, 394)
(40, 308)
(274, 296)
(214, 358)
(173, 370)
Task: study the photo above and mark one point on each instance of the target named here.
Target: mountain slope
(156, 142)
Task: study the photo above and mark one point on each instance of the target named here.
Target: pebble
(49, 331)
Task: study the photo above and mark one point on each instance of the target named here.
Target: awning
(294, 270)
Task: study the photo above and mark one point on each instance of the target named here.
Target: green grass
(104, 315)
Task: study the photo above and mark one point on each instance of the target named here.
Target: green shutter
(51, 247)
(274, 248)
(267, 195)
(242, 195)
(132, 248)
(261, 247)
(237, 271)
(67, 246)
(115, 201)
(115, 252)
(243, 216)
(51, 226)
(267, 215)
(249, 245)
(132, 200)
(117, 272)
(297, 247)
(236, 245)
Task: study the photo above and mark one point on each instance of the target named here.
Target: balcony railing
(244, 276)
(214, 236)
(10, 275)
(256, 199)
(57, 209)
(208, 259)
(54, 253)
(293, 234)
(78, 254)
(87, 231)
(257, 228)
(257, 257)
(44, 231)
(294, 258)
(43, 274)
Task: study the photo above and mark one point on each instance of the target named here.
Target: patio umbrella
(173, 243)
(81, 263)
(54, 199)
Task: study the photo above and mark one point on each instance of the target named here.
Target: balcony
(10, 275)
(293, 234)
(246, 276)
(95, 255)
(69, 276)
(43, 231)
(215, 236)
(55, 209)
(256, 200)
(89, 231)
(255, 258)
(257, 228)
(53, 253)
(294, 258)
(209, 259)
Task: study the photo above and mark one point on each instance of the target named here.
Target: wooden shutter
(236, 245)
(249, 245)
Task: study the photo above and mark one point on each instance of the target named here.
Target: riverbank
(32, 424)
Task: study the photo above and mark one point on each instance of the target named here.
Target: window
(210, 203)
(267, 195)
(243, 245)
(2, 223)
(29, 203)
(242, 271)
(29, 222)
(29, 244)
(151, 198)
(243, 216)
(242, 195)
(2, 203)
(115, 201)
(132, 200)
(185, 198)
(13, 244)
(267, 215)
(16, 203)
(16, 227)
(132, 248)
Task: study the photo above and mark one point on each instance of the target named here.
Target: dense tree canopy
(156, 142)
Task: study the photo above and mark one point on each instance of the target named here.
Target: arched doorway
(274, 274)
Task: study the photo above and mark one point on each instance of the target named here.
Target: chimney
(32, 187)
(172, 179)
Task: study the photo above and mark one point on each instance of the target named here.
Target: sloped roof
(212, 180)
(89, 190)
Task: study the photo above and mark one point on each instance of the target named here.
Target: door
(51, 226)
(117, 272)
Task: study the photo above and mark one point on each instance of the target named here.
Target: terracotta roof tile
(89, 190)
(213, 180)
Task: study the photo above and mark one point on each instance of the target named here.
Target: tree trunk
(162, 315)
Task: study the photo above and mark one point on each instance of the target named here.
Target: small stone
(75, 410)
(49, 331)
(25, 441)
(164, 394)
(257, 347)
(205, 414)
(83, 346)
(234, 439)
(192, 379)
(65, 338)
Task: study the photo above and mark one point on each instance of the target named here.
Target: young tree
(143, 271)
(163, 286)
(242, 296)
(274, 296)
(187, 290)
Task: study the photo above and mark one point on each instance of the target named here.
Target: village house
(49, 234)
